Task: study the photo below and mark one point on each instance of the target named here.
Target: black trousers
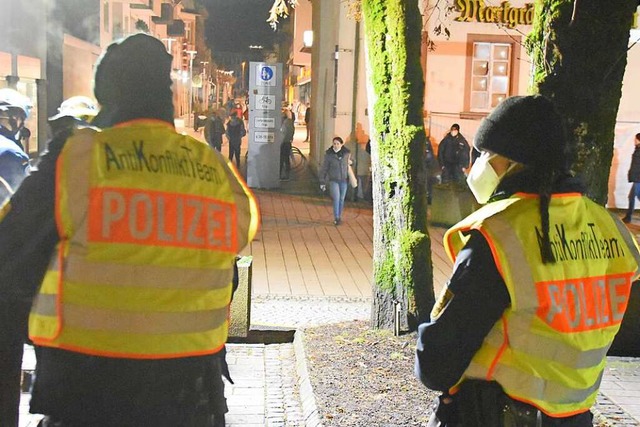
(13, 333)
(285, 159)
(95, 391)
(234, 151)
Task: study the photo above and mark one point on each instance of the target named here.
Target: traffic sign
(264, 123)
(265, 102)
(262, 137)
(265, 75)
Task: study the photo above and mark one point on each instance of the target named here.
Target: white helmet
(80, 107)
(11, 99)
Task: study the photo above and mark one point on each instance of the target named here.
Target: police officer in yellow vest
(542, 276)
(140, 226)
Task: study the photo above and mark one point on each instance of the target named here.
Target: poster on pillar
(265, 117)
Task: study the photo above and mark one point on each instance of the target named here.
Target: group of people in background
(235, 129)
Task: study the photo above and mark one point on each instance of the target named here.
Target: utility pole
(205, 85)
(192, 54)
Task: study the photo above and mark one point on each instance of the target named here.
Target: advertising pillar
(265, 116)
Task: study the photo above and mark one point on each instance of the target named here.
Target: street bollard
(241, 304)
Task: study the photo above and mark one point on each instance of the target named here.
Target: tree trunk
(402, 249)
(579, 48)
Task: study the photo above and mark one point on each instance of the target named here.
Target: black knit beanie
(133, 79)
(526, 129)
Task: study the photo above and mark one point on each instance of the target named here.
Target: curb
(262, 298)
(307, 398)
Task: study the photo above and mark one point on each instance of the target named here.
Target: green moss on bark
(580, 57)
(402, 264)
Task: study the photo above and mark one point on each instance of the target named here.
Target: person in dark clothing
(431, 169)
(235, 132)
(14, 167)
(229, 106)
(14, 162)
(453, 155)
(91, 375)
(307, 122)
(634, 178)
(493, 339)
(287, 130)
(213, 131)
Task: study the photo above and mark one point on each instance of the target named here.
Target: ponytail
(545, 199)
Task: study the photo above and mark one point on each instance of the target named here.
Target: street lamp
(192, 54)
(244, 63)
(205, 85)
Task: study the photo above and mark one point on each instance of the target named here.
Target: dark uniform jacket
(634, 169)
(14, 164)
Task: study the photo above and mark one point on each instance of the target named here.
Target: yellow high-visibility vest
(150, 223)
(549, 348)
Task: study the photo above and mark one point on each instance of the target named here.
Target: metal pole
(192, 54)
(190, 90)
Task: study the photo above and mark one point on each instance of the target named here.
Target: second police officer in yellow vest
(542, 277)
(142, 226)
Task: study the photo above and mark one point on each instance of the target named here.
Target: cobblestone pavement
(300, 312)
(265, 392)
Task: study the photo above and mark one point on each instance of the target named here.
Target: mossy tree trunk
(401, 248)
(579, 48)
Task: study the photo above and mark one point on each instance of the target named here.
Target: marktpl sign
(477, 10)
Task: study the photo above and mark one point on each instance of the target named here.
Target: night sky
(233, 25)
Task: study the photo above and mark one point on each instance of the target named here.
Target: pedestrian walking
(128, 257)
(235, 132)
(213, 131)
(229, 106)
(287, 131)
(335, 174)
(520, 334)
(14, 162)
(432, 169)
(363, 172)
(453, 155)
(634, 178)
(238, 110)
(307, 121)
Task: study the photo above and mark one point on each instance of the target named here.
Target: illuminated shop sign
(477, 10)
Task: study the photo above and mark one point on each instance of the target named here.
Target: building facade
(480, 60)
(473, 58)
(23, 59)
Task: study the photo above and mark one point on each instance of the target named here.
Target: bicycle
(298, 160)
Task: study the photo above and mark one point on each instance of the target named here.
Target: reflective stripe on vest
(549, 349)
(143, 271)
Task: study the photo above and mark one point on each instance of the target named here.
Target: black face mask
(14, 127)
(16, 123)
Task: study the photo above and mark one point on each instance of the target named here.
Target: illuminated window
(490, 75)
